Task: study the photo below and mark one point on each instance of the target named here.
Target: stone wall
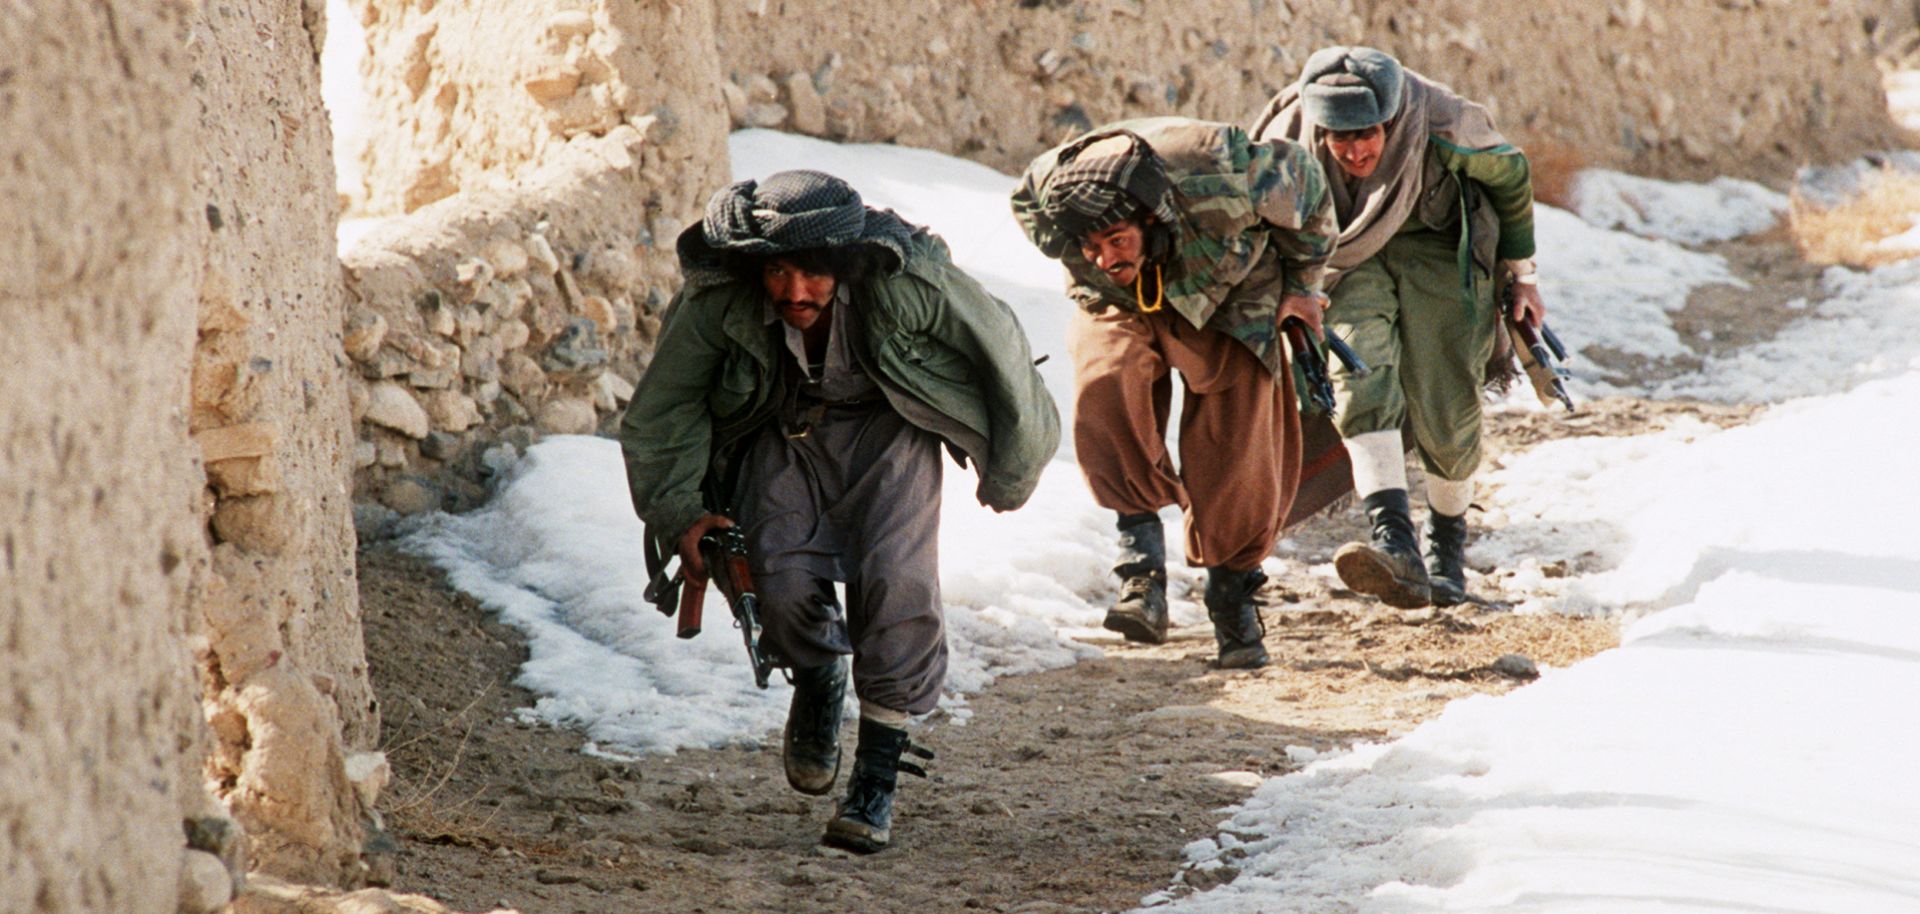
(1683, 90)
(545, 159)
(463, 96)
(176, 433)
(100, 547)
(284, 674)
(483, 321)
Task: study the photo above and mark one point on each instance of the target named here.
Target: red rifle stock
(693, 597)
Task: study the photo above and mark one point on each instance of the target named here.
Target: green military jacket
(1255, 223)
(1487, 196)
(1469, 179)
(950, 357)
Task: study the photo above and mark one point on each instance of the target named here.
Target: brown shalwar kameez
(1239, 459)
(844, 489)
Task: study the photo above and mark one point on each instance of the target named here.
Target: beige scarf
(1373, 209)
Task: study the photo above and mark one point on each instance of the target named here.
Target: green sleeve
(1025, 429)
(1504, 172)
(1290, 195)
(667, 433)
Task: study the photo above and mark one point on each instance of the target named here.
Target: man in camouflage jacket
(1186, 244)
(1434, 205)
(808, 374)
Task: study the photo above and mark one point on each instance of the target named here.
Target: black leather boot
(1447, 558)
(1389, 566)
(864, 823)
(810, 745)
(1140, 614)
(1237, 626)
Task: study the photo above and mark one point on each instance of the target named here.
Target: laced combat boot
(864, 823)
(1389, 566)
(1140, 614)
(810, 745)
(1237, 626)
(1447, 558)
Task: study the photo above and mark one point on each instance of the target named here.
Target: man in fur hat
(1186, 244)
(1435, 208)
(819, 356)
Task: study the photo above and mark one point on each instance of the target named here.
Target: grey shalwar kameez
(843, 488)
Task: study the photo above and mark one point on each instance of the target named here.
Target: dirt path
(1077, 787)
(1072, 790)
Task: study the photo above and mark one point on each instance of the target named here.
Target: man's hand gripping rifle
(1313, 365)
(724, 549)
(1543, 354)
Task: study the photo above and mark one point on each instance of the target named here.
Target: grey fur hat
(1350, 88)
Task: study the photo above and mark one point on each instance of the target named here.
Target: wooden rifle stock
(693, 598)
(725, 552)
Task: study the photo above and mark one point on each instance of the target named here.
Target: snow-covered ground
(1724, 209)
(1749, 747)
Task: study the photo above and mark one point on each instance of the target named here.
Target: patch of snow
(1720, 210)
(1748, 747)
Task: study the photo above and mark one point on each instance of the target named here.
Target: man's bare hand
(1308, 308)
(1528, 308)
(691, 563)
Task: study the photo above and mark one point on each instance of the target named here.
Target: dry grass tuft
(1554, 164)
(1850, 232)
(422, 805)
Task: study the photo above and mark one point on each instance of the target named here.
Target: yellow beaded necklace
(1159, 290)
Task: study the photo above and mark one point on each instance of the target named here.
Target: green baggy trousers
(1402, 311)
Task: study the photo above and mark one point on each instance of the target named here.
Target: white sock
(1378, 462)
(1448, 497)
(884, 716)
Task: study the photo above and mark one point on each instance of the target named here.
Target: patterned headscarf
(788, 211)
(1100, 181)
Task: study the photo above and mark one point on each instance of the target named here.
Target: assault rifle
(1544, 355)
(1313, 366)
(724, 549)
(1547, 352)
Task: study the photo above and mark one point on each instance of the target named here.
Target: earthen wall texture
(284, 675)
(1741, 87)
(485, 321)
(99, 500)
(465, 95)
(545, 158)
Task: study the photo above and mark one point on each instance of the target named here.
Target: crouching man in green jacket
(1434, 206)
(809, 372)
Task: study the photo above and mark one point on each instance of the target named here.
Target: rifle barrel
(1553, 341)
(1354, 364)
(1313, 367)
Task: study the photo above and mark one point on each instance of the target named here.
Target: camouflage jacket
(1255, 222)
